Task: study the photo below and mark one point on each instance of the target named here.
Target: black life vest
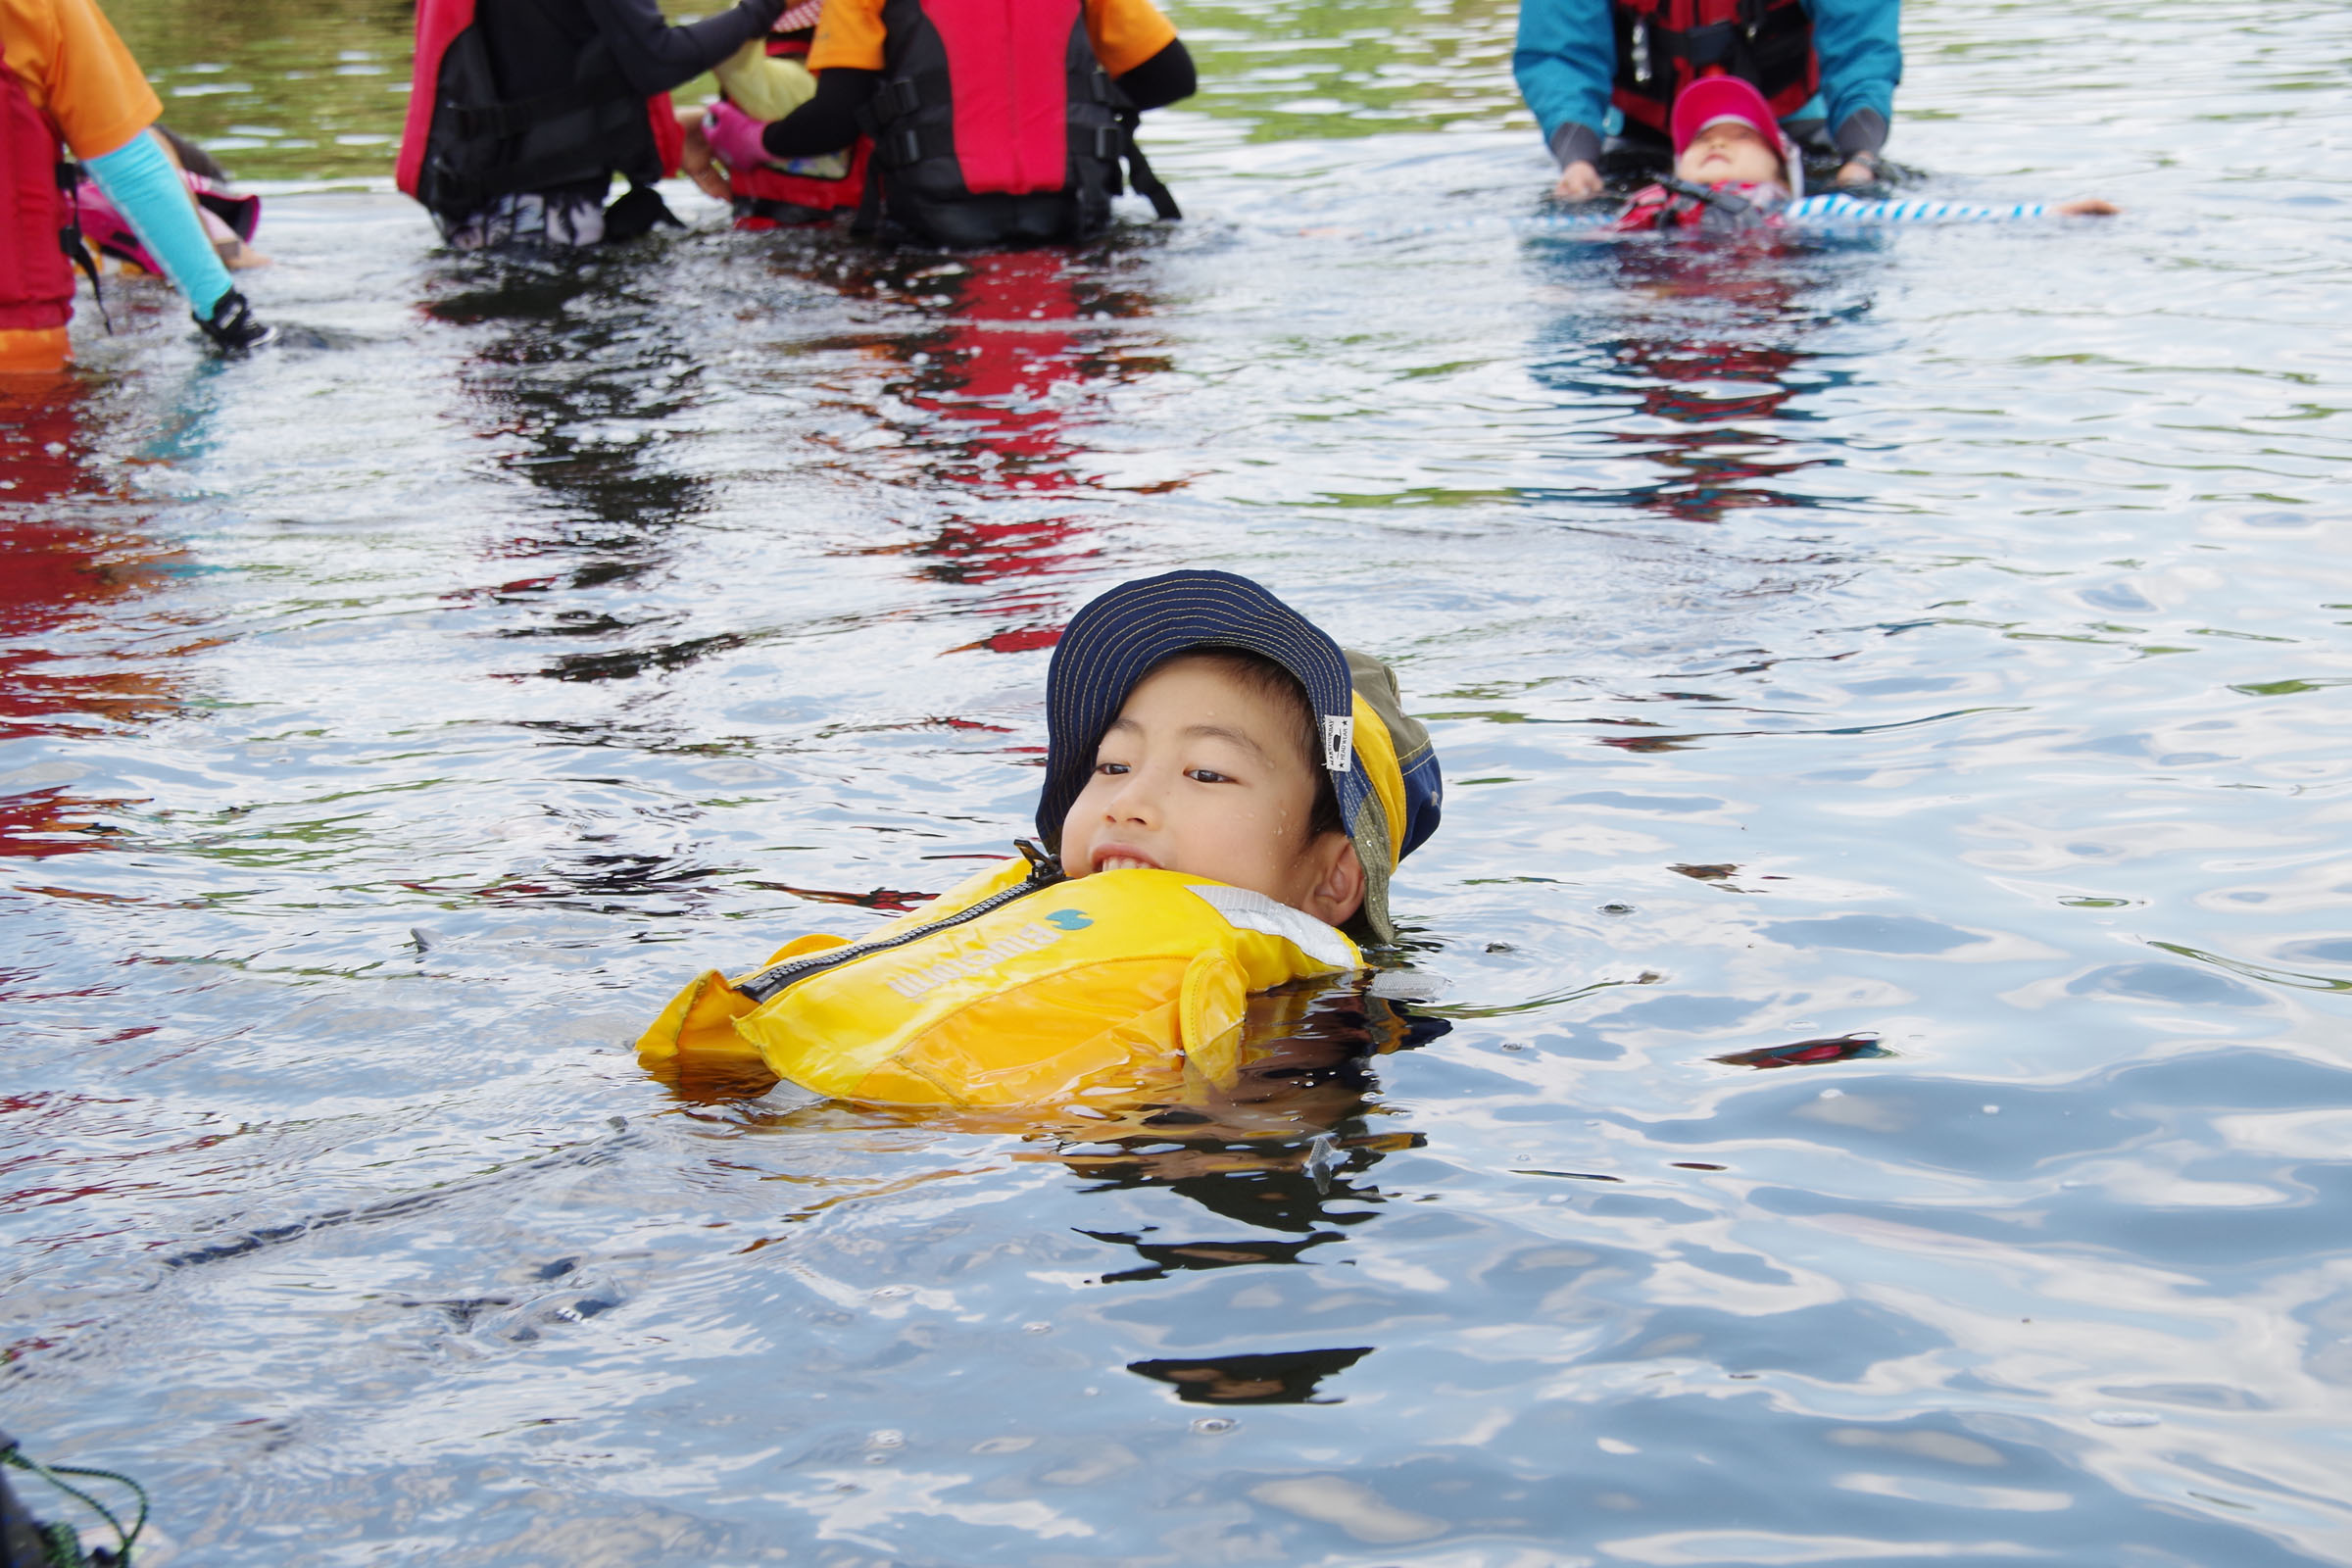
(1665, 45)
(995, 125)
(765, 197)
(36, 233)
(464, 142)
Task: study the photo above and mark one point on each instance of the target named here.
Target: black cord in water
(1736, 206)
(63, 1542)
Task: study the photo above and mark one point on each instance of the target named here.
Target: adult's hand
(1580, 181)
(695, 161)
(1860, 170)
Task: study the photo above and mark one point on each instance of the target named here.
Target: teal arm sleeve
(1564, 58)
(143, 185)
(1861, 48)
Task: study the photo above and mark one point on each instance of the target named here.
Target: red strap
(438, 22)
(670, 138)
(1648, 210)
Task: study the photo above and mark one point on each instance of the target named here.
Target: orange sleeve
(1125, 32)
(849, 34)
(76, 69)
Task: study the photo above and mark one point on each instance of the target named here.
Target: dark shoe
(231, 325)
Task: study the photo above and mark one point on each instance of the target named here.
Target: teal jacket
(1567, 52)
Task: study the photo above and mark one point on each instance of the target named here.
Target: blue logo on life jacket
(1070, 919)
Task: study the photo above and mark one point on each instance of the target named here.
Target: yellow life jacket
(1015, 988)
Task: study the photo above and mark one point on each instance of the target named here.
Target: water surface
(1925, 652)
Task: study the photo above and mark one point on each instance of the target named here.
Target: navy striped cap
(1389, 794)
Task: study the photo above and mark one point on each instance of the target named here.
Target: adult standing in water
(991, 124)
(1826, 66)
(67, 84)
(521, 111)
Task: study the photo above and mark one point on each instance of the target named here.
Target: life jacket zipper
(1045, 871)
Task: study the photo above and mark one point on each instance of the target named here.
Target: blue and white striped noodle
(1822, 212)
(1835, 208)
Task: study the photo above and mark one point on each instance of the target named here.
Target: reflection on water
(1699, 352)
(74, 654)
(1880, 1090)
(279, 89)
(1286, 1379)
(1349, 68)
(575, 382)
(985, 405)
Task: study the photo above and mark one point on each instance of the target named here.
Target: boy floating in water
(1226, 795)
(1733, 168)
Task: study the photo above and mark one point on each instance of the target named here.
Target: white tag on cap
(1338, 743)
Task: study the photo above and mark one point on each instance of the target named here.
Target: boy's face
(1201, 774)
(1730, 151)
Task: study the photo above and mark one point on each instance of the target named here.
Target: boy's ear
(1339, 887)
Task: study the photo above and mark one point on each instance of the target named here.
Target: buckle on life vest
(1710, 47)
(1730, 203)
(511, 116)
(475, 122)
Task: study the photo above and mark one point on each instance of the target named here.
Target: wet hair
(1257, 673)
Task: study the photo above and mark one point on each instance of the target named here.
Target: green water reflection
(279, 90)
(1326, 67)
(304, 91)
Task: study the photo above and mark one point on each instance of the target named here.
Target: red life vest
(37, 280)
(1737, 205)
(464, 144)
(765, 197)
(768, 198)
(995, 123)
(1665, 45)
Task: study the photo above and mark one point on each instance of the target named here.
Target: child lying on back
(1226, 795)
(757, 82)
(1733, 168)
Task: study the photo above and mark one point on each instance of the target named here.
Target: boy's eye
(1206, 776)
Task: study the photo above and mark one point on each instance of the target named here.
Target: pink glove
(734, 136)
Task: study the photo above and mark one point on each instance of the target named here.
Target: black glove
(231, 325)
